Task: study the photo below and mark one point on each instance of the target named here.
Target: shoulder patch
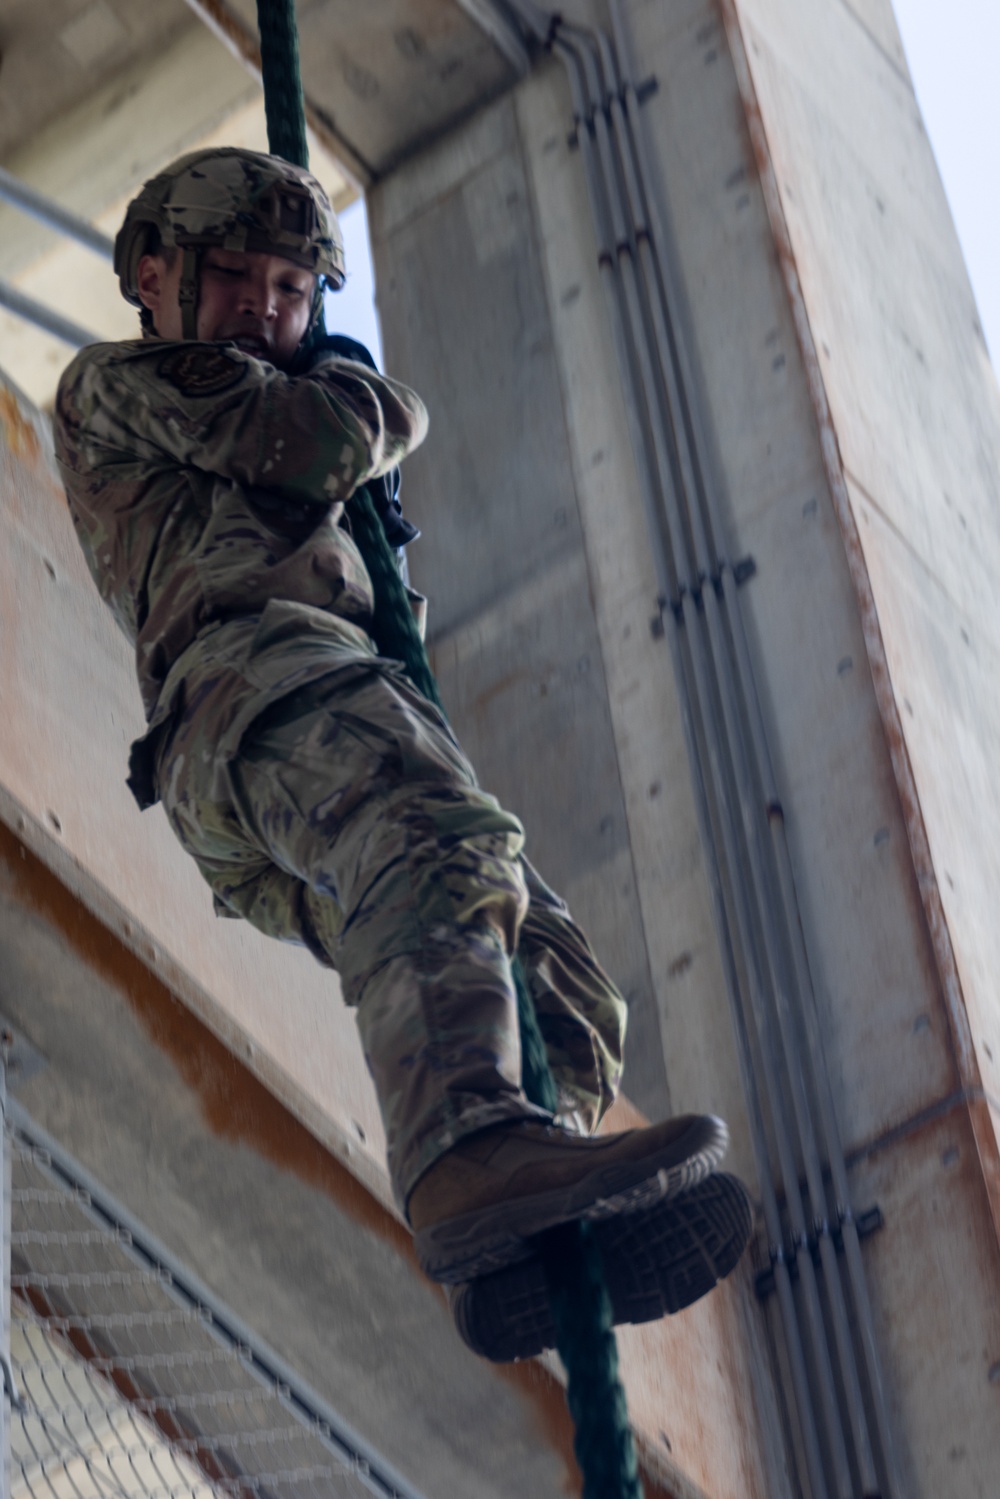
(199, 371)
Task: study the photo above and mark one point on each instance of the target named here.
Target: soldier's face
(260, 302)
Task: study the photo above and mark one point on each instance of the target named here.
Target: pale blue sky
(953, 49)
(352, 309)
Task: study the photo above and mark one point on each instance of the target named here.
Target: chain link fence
(127, 1380)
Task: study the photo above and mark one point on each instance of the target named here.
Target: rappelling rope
(581, 1307)
(284, 103)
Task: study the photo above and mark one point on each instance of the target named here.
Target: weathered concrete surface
(466, 321)
(388, 76)
(860, 905)
(56, 54)
(158, 106)
(933, 1283)
(92, 159)
(512, 630)
(901, 376)
(393, 75)
(907, 414)
(178, 1130)
(542, 593)
(853, 424)
(877, 19)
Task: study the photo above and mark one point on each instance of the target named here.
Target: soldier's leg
(351, 820)
(581, 1014)
(407, 876)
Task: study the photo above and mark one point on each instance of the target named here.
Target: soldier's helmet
(230, 199)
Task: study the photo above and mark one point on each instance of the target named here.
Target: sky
(953, 50)
(352, 309)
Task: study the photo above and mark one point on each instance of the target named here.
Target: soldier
(210, 467)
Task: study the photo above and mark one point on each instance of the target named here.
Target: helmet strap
(187, 293)
(316, 331)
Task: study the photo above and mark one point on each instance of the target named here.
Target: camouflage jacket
(204, 483)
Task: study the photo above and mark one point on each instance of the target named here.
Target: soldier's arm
(211, 407)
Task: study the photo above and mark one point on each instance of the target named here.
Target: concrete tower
(711, 516)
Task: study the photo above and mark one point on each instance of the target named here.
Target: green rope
(284, 104)
(581, 1307)
(393, 628)
(581, 1310)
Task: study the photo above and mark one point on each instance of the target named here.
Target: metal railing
(127, 1379)
(71, 226)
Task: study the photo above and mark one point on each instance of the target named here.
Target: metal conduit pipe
(727, 794)
(685, 672)
(763, 880)
(767, 880)
(650, 233)
(744, 770)
(814, 1048)
(43, 317)
(760, 883)
(802, 985)
(729, 783)
(695, 674)
(54, 215)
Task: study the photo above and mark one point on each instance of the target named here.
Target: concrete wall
(854, 439)
(543, 596)
(909, 415)
(901, 377)
(174, 1125)
(545, 637)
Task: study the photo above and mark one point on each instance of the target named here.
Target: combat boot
(475, 1209)
(655, 1263)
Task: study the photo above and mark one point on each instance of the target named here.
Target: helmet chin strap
(187, 293)
(315, 333)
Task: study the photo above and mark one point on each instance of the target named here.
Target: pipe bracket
(867, 1223)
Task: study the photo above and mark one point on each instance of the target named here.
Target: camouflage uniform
(323, 799)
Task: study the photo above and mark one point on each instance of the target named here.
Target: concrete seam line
(960, 1098)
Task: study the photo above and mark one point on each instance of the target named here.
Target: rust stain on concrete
(237, 1106)
(19, 434)
(233, 1102)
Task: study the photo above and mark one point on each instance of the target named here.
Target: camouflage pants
(348, 819)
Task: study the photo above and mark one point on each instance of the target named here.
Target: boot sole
(655, 1264)
(479, 1243)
